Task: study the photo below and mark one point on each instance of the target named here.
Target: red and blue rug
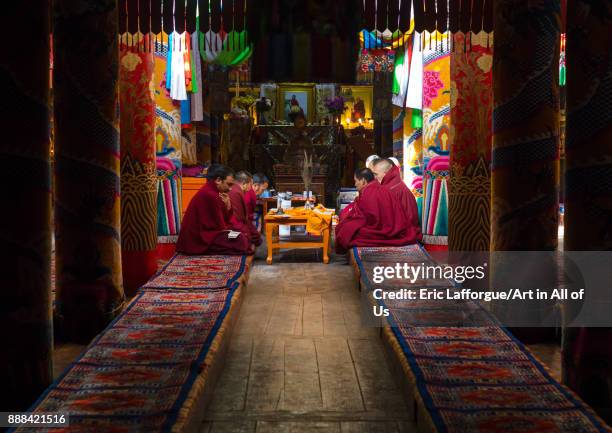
(138, 373)
(470, 374)
(198, 272)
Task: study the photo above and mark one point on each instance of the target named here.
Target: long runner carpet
(471, 379)
(144, 372)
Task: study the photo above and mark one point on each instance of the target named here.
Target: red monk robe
(250, 197)
(206, 225)
(393, 182)
(375, 220)
(241, 216)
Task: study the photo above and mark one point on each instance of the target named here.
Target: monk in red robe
(375, 220)
(208, 224)
(388, 174)
(362, 177)
(242, 213)
(250, 197)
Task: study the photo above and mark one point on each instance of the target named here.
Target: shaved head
(381, 167)
(370, 159)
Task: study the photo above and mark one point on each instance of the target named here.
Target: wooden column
(469, 184)
(525, 160)
(87, 208)
(26, 328)
(138, 170)
(587, 360)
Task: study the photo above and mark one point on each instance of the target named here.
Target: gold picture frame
(290, 94)
(351, 95)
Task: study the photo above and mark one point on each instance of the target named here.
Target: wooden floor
(300, 361)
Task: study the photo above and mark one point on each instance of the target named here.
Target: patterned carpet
(138, 375)
(198, 272)
(471, 375)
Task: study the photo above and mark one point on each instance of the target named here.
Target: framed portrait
(295, 98)
(359, 105)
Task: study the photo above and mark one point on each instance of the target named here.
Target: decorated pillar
(587, 357)
(138, 170)
(525, 159)
(87, 206)
(469, 185)
(26, 328)
(436, 138)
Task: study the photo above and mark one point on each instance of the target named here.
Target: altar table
(273, 221)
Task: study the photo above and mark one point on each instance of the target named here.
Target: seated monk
(388, 174)
(250, 198)
(208, 219)
(240, 207)
(376, 219)
(260, 185)
(362, 177)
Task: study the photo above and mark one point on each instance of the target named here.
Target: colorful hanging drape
(525, 158)
(167, 111)
(398, 133)
(413, 150)
(87, 205)
(26, 327)
(138, 171)
(588, 195)
(168, 198)
(429, 15)
(434, 222)
(470, 177)
(436, 137)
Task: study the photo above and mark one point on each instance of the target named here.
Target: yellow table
(272, 221)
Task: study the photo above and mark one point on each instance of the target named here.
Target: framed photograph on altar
(295, 98)
(358, 100)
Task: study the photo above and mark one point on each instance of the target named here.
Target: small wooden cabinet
(191, 185)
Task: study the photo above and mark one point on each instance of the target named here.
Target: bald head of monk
(222, 176)
(380, 167)
(370, 160)
(245, 180)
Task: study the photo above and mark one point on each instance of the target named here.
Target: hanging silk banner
(470, 178)
(138, 173)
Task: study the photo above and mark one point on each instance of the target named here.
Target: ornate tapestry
(87, 204)
(469, 186)
(138, 171)
(167, 111)
(436, 137)
(399, 115)
(525, 159)
(169, 193)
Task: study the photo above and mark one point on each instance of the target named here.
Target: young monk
(242, 213)
(260, 185)
(208, 220)
(375, 220)
(388, 174)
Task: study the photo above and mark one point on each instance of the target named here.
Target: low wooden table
(272, 221)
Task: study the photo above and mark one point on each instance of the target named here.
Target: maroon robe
(241, 216)
(375, 220)
(206, 224)
(393, 182)
(250, 197)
